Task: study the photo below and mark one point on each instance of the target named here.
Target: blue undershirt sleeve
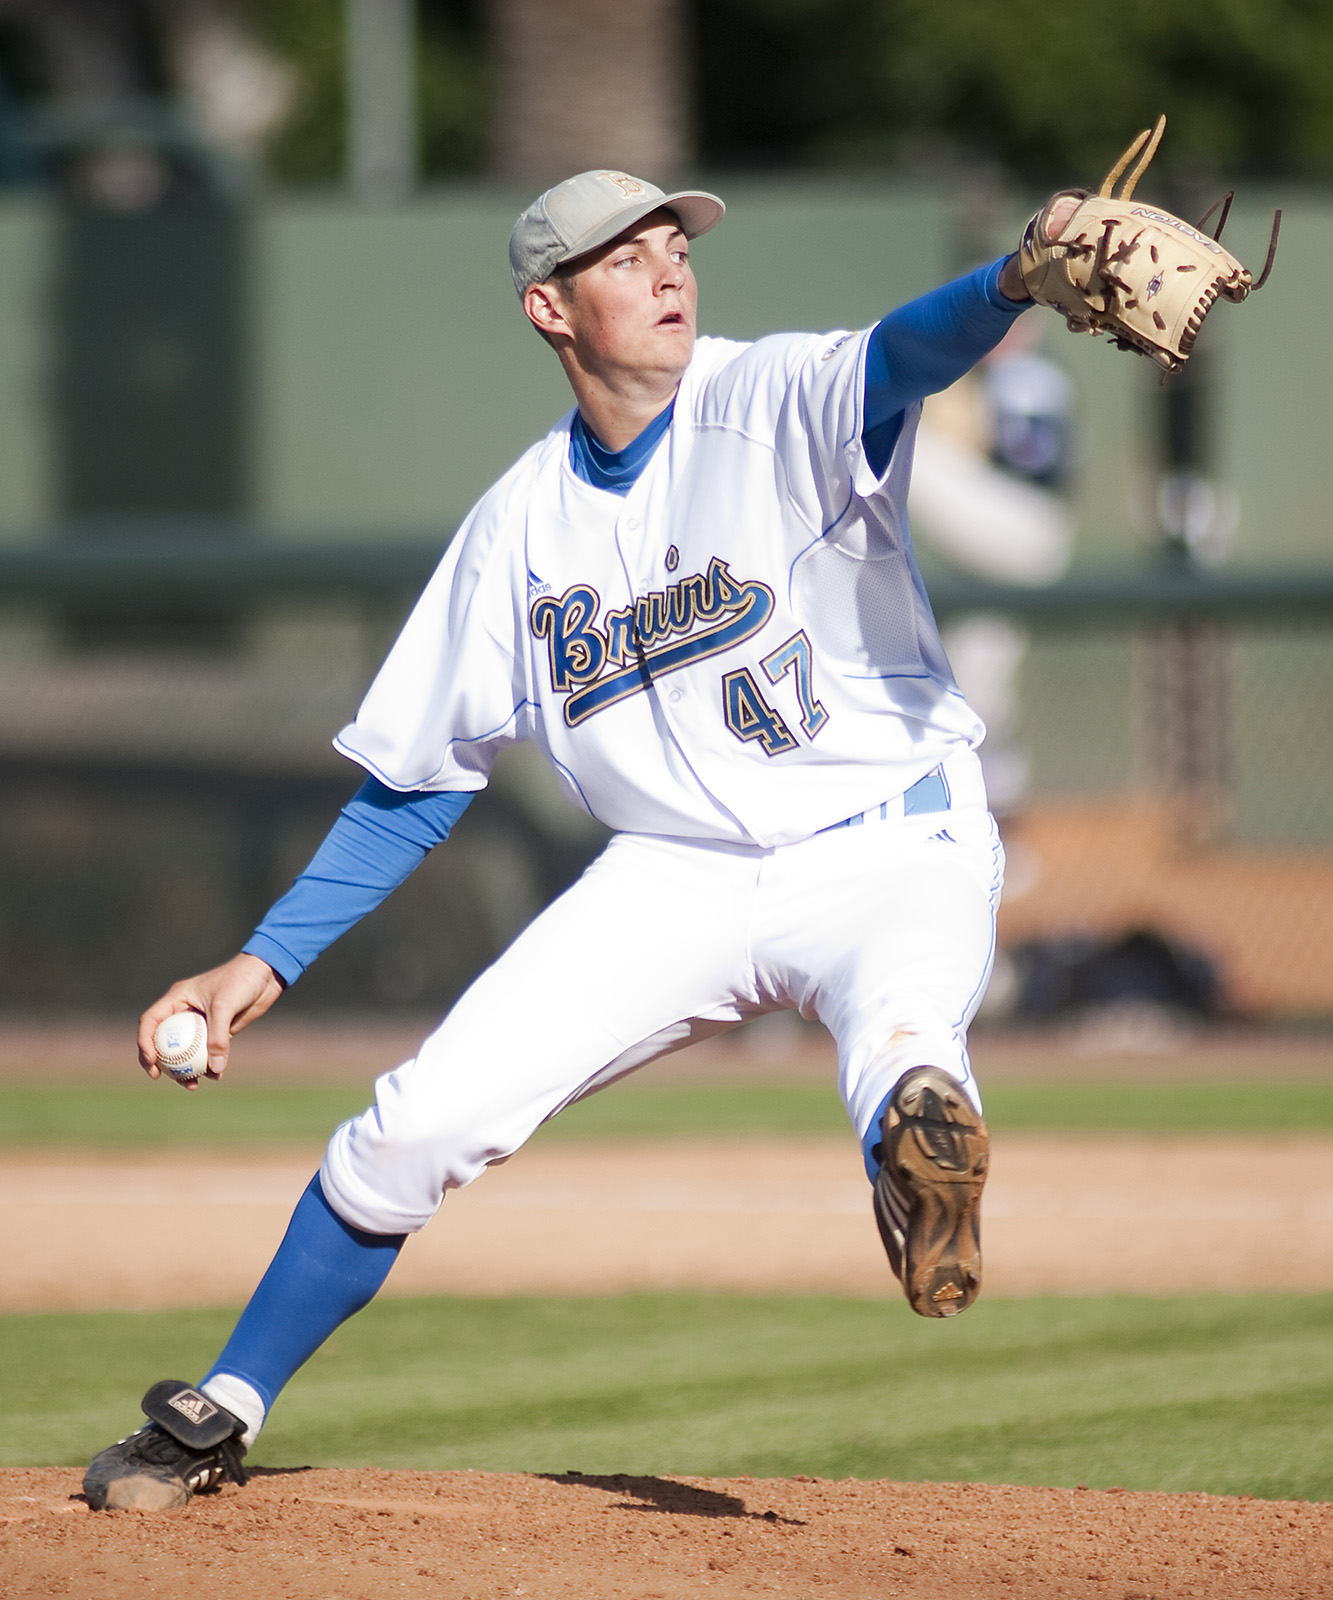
(379, 839)
(925, 346)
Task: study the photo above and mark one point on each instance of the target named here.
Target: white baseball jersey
(739, 649)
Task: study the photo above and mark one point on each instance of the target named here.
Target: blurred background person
(994, 462)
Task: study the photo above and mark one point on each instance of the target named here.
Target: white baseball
(181, 1043)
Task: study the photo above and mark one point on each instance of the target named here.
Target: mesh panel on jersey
(862, 610)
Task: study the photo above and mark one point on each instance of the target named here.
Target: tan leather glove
(1130, 270)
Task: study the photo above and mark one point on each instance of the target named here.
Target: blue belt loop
(927, 794)
(930, 793)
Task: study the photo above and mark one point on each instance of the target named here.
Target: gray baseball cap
(588, 211)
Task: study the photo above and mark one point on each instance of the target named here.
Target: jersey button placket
(632, 554)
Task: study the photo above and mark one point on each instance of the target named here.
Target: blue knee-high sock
(324, 1270)
(870, 1142)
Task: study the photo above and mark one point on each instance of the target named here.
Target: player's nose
(671, 274)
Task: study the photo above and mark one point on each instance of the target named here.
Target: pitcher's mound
(325, 1535)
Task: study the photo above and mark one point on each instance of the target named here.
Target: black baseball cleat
(933, 1156)
(189, 1445)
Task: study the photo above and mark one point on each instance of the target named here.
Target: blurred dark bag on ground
(1064, 978)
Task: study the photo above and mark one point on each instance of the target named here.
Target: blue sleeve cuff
(997, 296)
(283, 962)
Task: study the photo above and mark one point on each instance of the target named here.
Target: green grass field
(146, 1114)
(1230, 1394)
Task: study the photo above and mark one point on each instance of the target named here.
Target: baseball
(181, 1043)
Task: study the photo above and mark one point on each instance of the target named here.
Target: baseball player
(697, 596)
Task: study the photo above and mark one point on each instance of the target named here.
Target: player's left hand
(1133, 271)
(230, 997)
(1061, 209)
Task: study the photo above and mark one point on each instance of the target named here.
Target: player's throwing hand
(230, 997)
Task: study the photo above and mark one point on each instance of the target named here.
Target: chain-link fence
(155, 800)
(1175, 734)
(1180, 771)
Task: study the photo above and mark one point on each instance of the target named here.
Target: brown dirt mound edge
(305, 1534)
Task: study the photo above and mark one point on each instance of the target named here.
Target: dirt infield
(1070, 1215)
(322, 1535)
(1077, 1215)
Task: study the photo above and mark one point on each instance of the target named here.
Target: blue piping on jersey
(975, 996)
(374, 771)
(480, 738)
(851, 500)
(814, 545)
(389, 783)
(791, 570)
(875, 677)
(951, 689)
(577, 785)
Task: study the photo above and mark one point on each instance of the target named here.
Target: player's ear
(545, 308)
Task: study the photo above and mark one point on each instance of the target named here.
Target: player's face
(632, 307)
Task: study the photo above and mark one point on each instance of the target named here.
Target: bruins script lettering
(690, 620)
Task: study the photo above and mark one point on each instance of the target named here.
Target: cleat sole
(936, 1153)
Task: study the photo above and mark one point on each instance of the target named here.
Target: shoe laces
(156, 1446)
(231, 1451)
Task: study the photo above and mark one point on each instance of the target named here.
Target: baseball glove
(1134, 272)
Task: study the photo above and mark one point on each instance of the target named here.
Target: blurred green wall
(26, 260)
(1274, 443)
(393, 377)
(397, 377)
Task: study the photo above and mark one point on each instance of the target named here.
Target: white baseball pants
(885, 932)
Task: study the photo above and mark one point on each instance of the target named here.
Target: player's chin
(673, 341)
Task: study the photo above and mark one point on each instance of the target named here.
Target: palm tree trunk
(589, 83)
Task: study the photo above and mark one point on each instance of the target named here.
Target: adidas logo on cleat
(193, 1406)
(948, 1291)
